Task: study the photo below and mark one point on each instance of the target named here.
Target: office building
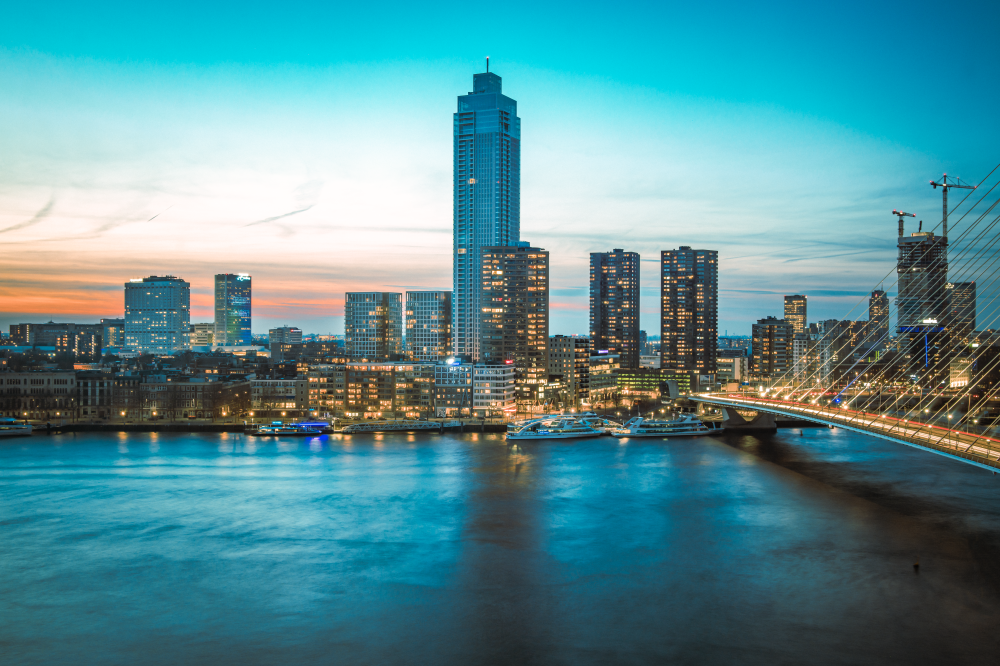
(771, 349)
(689, 310)
(732, 369)
(202, 334)
(487, 197)
(62, 336)
(113, 332)
(285, 343)
(232, 309)
(373, 324)
(795, 313)
(569, 362)
(961, 321)
(428, 325)
(157, 314)
(515, 313)
(614, 304)
(603, 376)
(922, 305)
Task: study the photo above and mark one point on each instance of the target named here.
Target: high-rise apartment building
(614, 304)
(878, 320)
(795, 313)
(515, 313)
(373, 325)
(232, 309)
(689, 309)
(487, 197)
(961, 320)
(428, 325)
(157, 314)
(771, 348)
(569, 362)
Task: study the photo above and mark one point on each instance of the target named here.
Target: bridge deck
(970, 448)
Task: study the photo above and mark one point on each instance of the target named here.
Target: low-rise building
(279, 398)
(38, 395)
(389, 390)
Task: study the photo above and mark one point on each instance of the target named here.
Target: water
(428, 549)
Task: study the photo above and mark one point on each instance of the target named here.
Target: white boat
(599, 422)
(561, 427)
(11, 428)
(291, 429)
(398, 426)
(687, 425)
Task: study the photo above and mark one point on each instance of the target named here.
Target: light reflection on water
(457, 549)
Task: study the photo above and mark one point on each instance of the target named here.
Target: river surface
(456, 549)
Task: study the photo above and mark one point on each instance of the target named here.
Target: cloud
(278, 217)
(38, 217)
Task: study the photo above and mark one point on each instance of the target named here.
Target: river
(457, 549)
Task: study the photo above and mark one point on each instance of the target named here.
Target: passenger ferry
(11, 428)
(286, 430)
(560, 427)
(688, 425)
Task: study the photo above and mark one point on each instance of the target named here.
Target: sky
(309, 144)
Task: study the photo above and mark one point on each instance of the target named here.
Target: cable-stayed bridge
(926, 382)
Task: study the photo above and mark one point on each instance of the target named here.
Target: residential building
(373, 323)
(515, 313)
(84, 341)
(603, 379)
(771, 349)
(487, 197)
(689, 291)
(614, 304)
(285, 343)
(650, 361)
(389, 390)
(569, 362)
(40, 396)
(878, 320)
(795, 313)
(157, 314)
(493, 389)
(232, 309)
(453, 389)
(961, 321)
(428, 325)
(327, 390)
(94, 394)
(283, 398)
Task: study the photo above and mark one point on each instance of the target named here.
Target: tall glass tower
(487, 197)
(232, 309)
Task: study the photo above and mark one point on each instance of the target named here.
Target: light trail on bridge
(978, 450)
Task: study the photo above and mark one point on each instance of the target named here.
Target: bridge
(968, 447)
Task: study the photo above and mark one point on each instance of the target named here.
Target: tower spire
(487, 64)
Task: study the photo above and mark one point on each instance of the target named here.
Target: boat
(687, 425)
(277, 428)
(11, 428)
(599, 422)
(561, 427)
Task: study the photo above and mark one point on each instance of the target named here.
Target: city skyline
(787, 180)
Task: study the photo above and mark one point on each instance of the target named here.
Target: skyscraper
(614, 304)
(487, 196)
(878, 320)
(157, 314)
(515, 313)
(795, 313)
(428, 325)
(772, 352)
(689, 309)
(922, 305)
(961, 320)
(373, 323)
(232, 309)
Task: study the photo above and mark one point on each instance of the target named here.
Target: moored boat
(277, 428)
(11, 428)
(562, 427)
(687, 425)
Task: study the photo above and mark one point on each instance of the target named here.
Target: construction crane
(946, 184)
(900, 214)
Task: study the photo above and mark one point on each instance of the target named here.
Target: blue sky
(310, 145)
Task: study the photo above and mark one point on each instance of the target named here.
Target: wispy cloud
(278, 217)
(45, 211)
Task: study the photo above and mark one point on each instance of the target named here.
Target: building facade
(614, 304)
(689, 309)
(795, 313)
(771, 349)
(232, 309)
(878, 320)
(487, 197)
(38, 395)
(569, 362)
(389, 390)
(428, 325)
(157, 314)
(202, 334)
(961, 321)
(373, 323)
(515, 313)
